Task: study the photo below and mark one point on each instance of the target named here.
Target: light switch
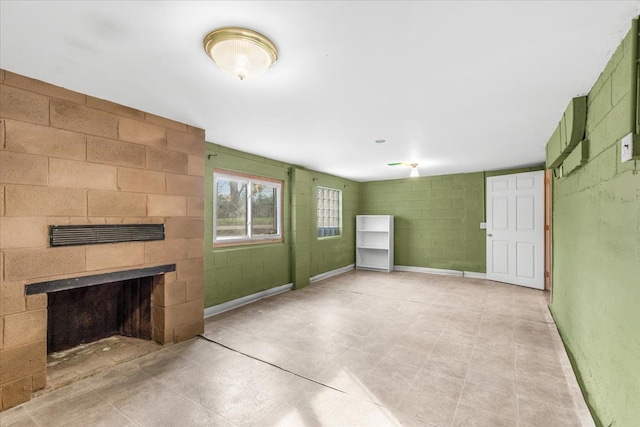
(483, 226)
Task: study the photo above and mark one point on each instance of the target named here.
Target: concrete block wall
(596, 254)
(69, 158)
(329, 253)
(301, 227)
(437, 219)
(237, 271)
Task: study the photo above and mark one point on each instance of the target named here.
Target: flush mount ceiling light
(240, 52)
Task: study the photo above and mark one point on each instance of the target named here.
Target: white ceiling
(454, 86)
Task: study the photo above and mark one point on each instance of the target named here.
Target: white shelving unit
(374, 242)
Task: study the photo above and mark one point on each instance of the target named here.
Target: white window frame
(250, 180)
(339, 213)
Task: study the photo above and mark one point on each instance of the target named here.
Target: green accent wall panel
(596, 255)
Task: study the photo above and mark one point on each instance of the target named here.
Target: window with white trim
(329, 212)
(246, 208)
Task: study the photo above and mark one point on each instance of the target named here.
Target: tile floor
(359, 349)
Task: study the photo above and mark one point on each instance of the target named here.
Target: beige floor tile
(63, 411)
(429, 407)
(467, 416)
(18, 417)
(437, 383)
(318, 400)
(543, 388)
(487, 397)
(533, 413)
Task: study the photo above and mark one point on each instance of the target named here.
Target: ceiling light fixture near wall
(414, 168)
(240, 52)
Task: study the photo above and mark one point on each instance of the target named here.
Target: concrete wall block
(195, 207)
(112, 152)
(43, 140)
(164, 205)
(25, 360)
(22, 105)
(42, 88)
(24, 200)
(195, 247)
(195, 289)
(70, 116)
(167, 161)
(192, 268)
(102, 257)
(196, 131)
(117, 109)
(185, 185)
(165, 123)
(165, 251)
(11, 298)
(142, 133)
(25, 328)
(114, 203)
(19, 168)
(75, 174)
(36, 302)
(179, 227)
(187, 313)
(23, 232)
(185, 332)
(195, 165)
(39, 380)
(174, 293)
(185, 143)
(23, 264)
(599, 105)
(140, 181)
(16, 392)
(621, 80)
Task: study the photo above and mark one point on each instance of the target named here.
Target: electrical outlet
(626, 148)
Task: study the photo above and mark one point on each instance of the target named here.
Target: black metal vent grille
(73, 235)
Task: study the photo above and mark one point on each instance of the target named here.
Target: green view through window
(246, 208)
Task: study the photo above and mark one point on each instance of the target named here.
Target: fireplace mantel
(96, 279)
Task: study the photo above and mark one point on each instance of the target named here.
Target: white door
(515, 229)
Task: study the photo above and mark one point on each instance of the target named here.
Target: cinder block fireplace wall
(69, 158)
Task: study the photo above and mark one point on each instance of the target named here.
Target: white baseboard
(332, 273)
(471, 274)
(428, 270)
(230, 305)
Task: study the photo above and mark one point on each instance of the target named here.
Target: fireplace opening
(87, 314)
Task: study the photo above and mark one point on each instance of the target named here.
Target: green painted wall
(596, 255)
(234, 272)
(329, 252)
(437, 218)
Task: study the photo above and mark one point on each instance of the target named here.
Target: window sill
(330, 237)
(246, 243)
